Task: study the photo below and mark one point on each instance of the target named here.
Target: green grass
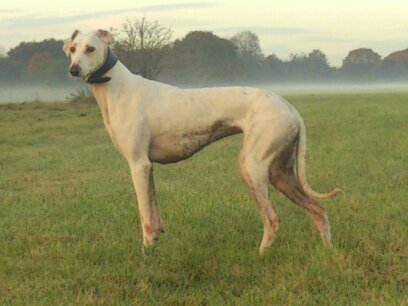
(70, 233)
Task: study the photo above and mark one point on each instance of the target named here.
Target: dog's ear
(105, 36)
(74, 34)
(68, 41)
(67, 46)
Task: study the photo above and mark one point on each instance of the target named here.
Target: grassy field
(70, 234)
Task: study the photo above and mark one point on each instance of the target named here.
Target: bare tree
(141, 45)
(249, 49)
(247, 44)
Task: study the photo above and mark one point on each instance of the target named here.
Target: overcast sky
(284, 27)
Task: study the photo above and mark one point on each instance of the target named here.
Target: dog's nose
(75, 70)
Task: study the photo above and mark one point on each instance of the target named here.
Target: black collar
(96, 77)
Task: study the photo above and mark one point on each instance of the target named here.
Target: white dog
(154, 122)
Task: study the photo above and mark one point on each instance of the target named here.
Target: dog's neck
(108, 92)
(115, 75)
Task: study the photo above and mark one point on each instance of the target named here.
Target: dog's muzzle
(75, 71)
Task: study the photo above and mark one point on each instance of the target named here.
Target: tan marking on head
(68, 42)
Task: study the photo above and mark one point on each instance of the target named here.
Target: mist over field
(335, 88)
(32, 93)
(60, 92)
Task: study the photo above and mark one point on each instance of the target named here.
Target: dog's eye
(90, 49)
(72, 49)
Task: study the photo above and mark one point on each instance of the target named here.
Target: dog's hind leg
(255, 175)
(285, 180)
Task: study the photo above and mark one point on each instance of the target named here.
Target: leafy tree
(395, 65)
(318, 65)
(318, 57)
(202, 58)
(8, 70)
(273, 68)
(35, 61)
(40, 66)
(361, 56)
(25, 50)
(308, 67)
(361, 64)
(2, 52)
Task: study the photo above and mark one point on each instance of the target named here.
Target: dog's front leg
(143, 181)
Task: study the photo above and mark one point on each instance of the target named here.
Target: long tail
(301, 166)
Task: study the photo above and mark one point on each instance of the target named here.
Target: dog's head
(87, 51)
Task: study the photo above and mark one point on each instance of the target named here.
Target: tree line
(202, 58)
